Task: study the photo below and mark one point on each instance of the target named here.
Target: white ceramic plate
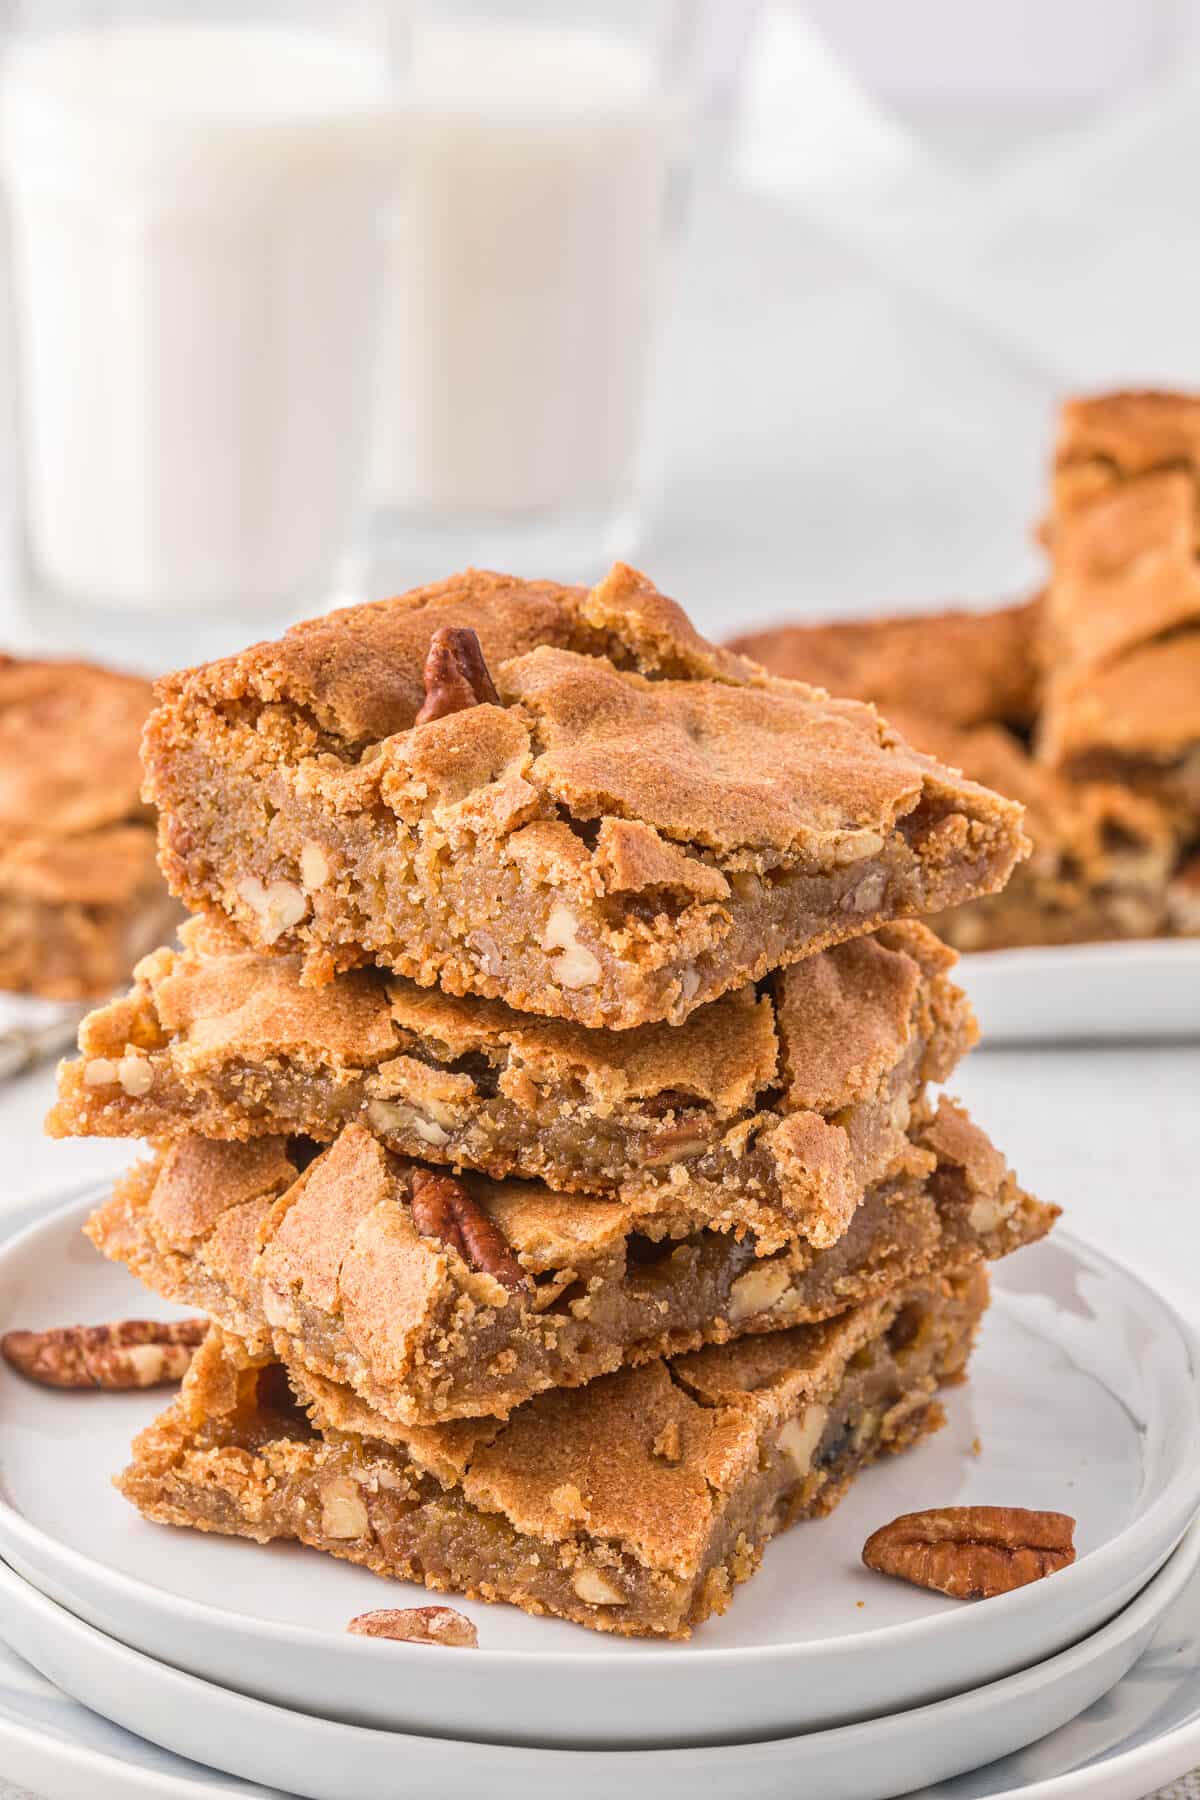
(1084, 1395)
(326, 1761)
(1086, 992)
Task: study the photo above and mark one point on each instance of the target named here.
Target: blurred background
(309, 302)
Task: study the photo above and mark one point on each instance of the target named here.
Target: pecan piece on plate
(137, 1353)
(418, 1625)
(443, 1209)
(456, 675)
(972, 1552)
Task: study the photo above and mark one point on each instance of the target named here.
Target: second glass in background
(538, 150)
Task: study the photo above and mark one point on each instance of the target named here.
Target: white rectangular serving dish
(1086, 993)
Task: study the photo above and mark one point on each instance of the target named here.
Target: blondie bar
(80, 895)
(633, 1506)
(966, 668)
(773, 1109)
(436, 1298)
(637, 823)
(1121, 623)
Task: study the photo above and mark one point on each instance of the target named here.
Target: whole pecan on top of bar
(972, 1552)
(443, 1209)
(136, 1353)
(418, 1625)
(456, 675)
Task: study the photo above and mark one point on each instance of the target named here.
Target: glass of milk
(197, 197)
(536, 188)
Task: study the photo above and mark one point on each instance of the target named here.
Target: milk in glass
(196, 218)
(525, 268)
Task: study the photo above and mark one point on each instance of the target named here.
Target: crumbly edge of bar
(775, 1167)
(1103, 855)
(422, 1337)
(217, 1461)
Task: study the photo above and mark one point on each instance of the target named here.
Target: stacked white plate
(822, 1678)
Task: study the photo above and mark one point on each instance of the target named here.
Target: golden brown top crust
(1134, 431)
(197, 1181)
(963, 667)
(443, 1450)
(1145, 705)
(845, 1019)
(359, 671)
(644, 1457)
(68, 747)
(73, 830)
(955, 1139)
(566, 1462)
(713, 764)
(316, 1237)
(614, 708)
(1121, 640)
(724, 1053)
(636, 623)
(1125, 564)
(238, 1003)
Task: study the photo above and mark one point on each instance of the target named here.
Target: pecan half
(443, 1209)
(418, 1625)
(456, 676)
(972, 1552)
(137, 1353)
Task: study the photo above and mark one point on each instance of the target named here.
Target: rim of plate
(157, 1784)
(1186, 1480)
(1126, 950)
(1128, 1621)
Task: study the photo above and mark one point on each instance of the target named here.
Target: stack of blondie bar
(541, 1098)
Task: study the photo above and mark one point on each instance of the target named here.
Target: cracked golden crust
(633, 1505)
(780, 1107)
(724, 767)
(624, 821)
(358, 673)
(1142, 710)
(335, 1276)
(1121, 628)
(966, 668)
